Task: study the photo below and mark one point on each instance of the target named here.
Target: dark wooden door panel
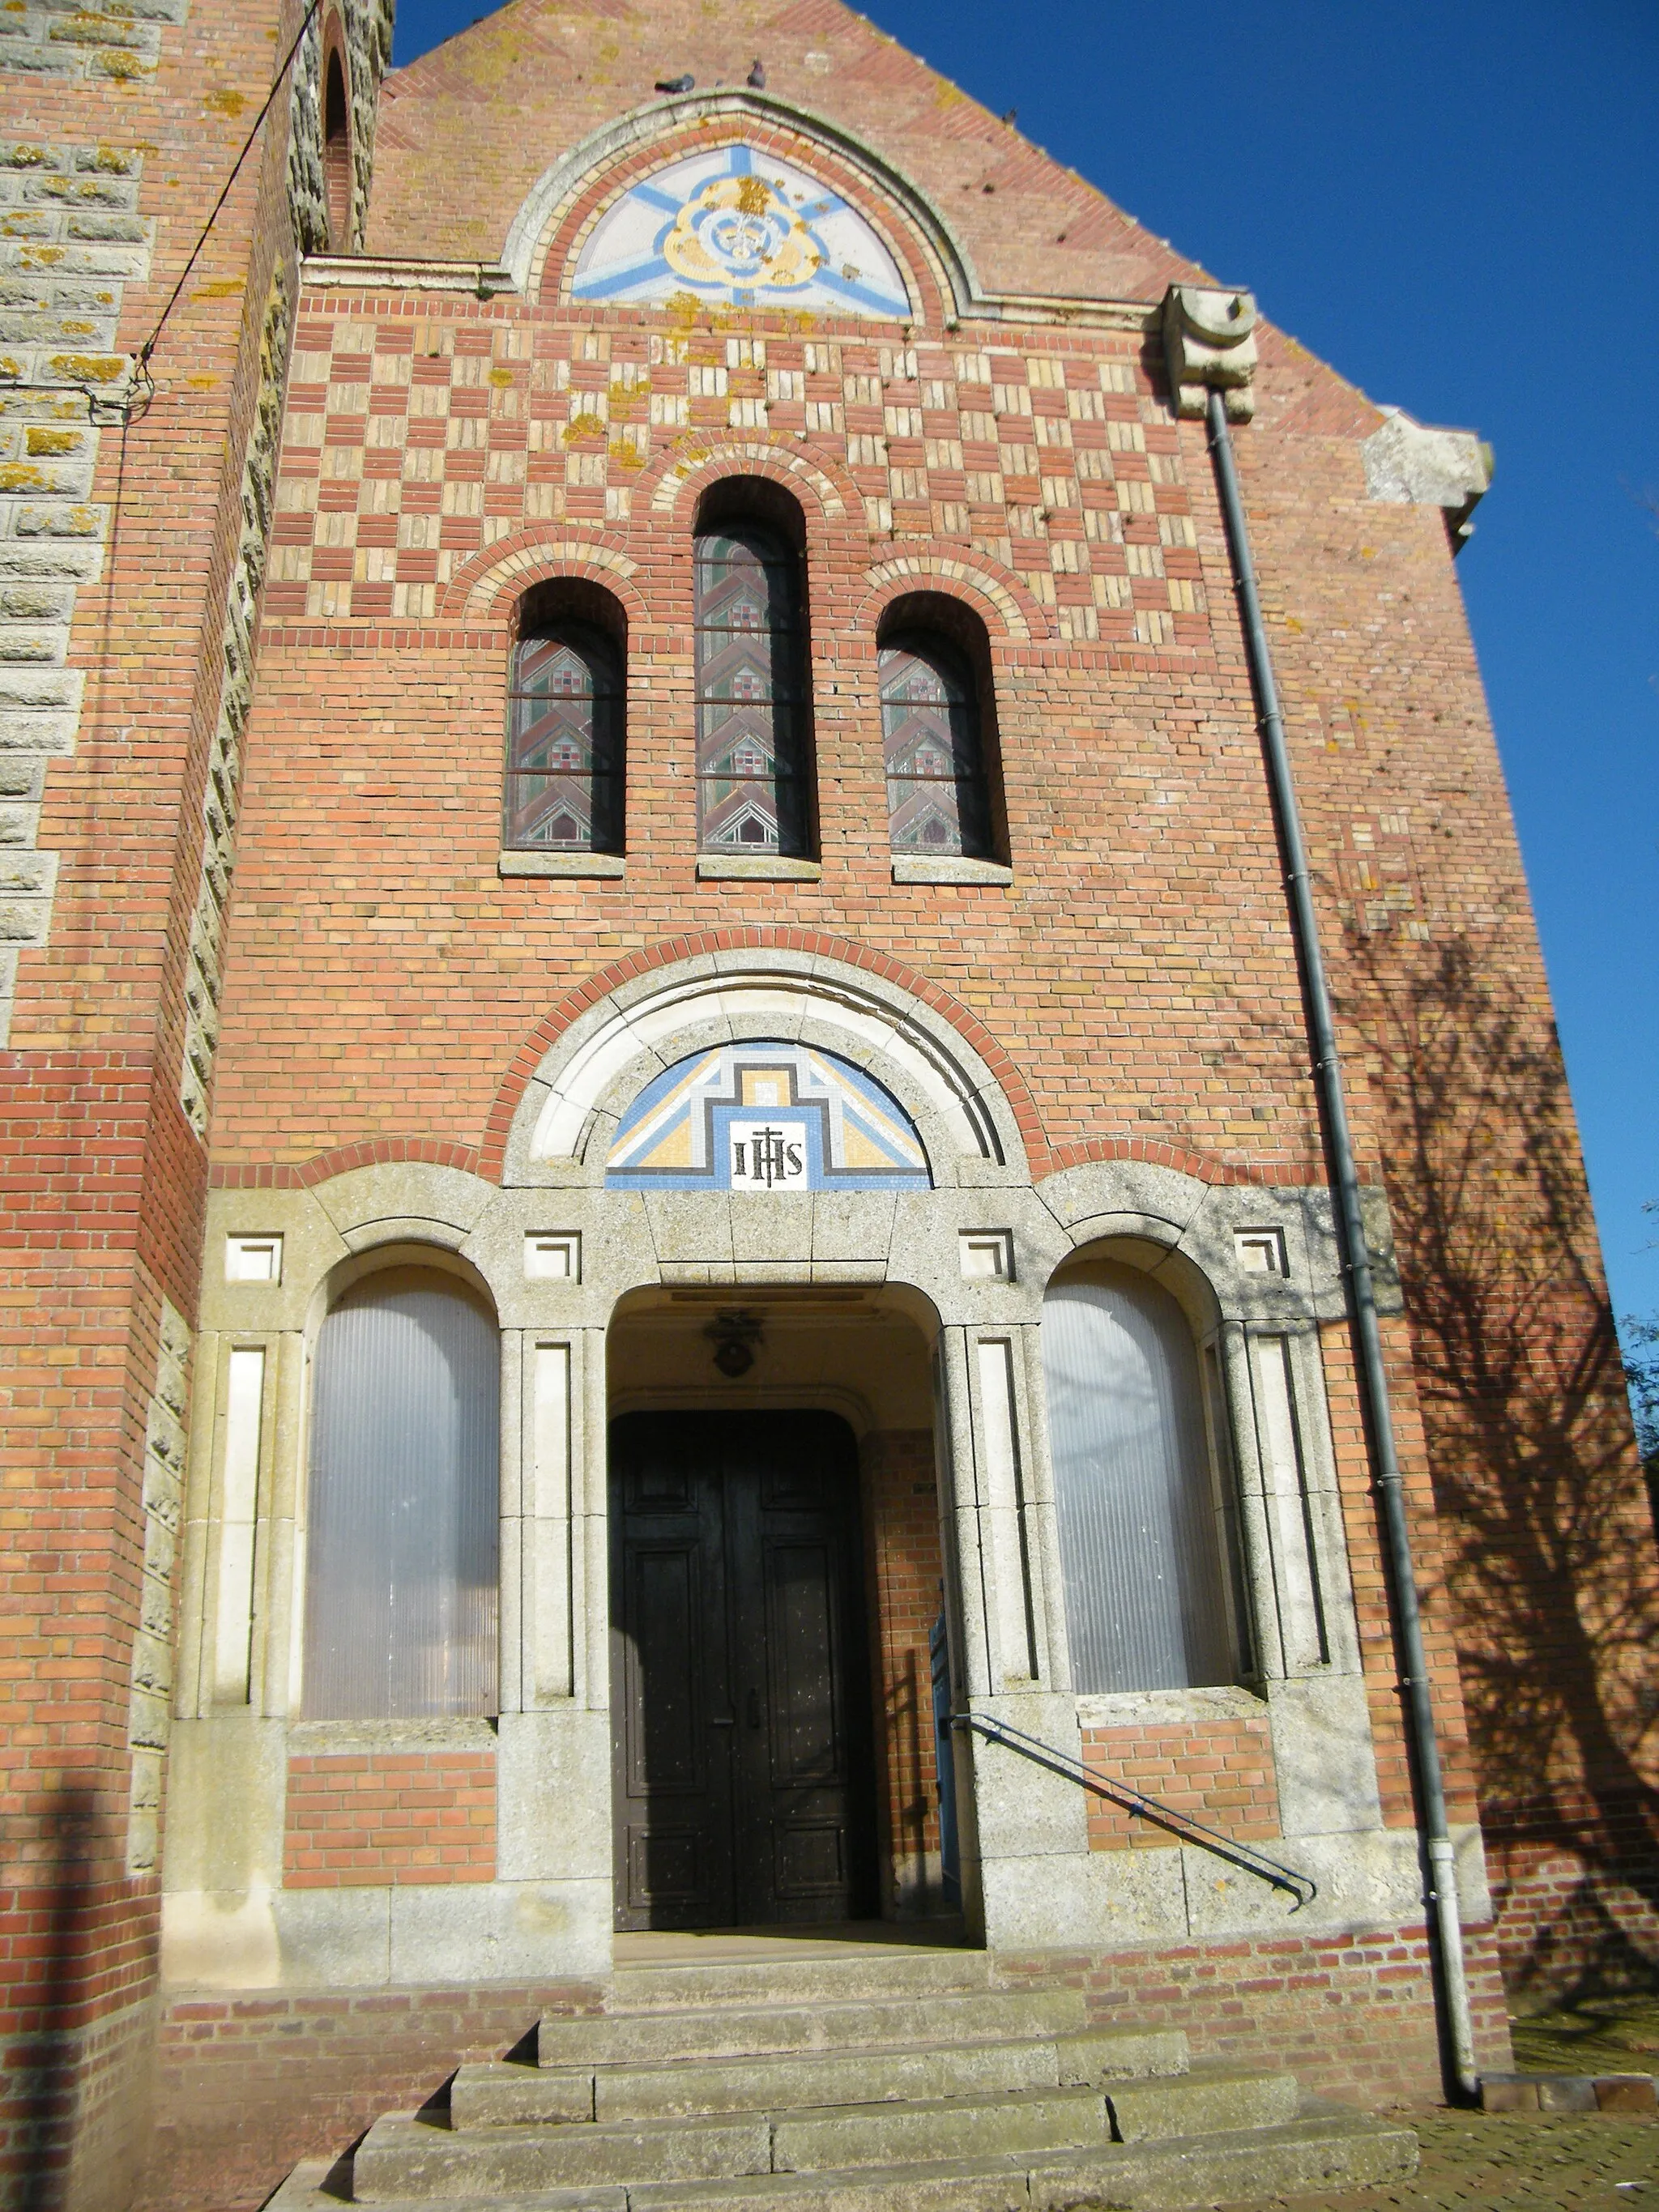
(671, 1754)
(809, 1730)
(744, 1785)
(666, 1728)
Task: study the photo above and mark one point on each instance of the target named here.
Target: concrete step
(1210, 2099)
(404, 2156)
(1348, 2151)
(502, 2095)
(731, 2031)
(1332, 2149)
(1014, 2125)
(1326, 2148)
(853, 1971)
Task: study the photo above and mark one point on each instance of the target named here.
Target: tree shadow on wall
(1550, 1559)
(42, 2064)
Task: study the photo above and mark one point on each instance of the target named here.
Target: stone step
(1009, 2126)
(1329, 2149)
(507, 2095)
(644, 2037)
(1326, 2148)
(403, 2156)
(852, 1971)
(1209, 2100)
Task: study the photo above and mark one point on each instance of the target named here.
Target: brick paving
(1471, 2162)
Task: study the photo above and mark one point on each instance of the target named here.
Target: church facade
(677, 1251)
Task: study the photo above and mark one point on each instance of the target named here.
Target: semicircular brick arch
(1001, 596)
(937, 1057)
(509, 566)
(681, 474)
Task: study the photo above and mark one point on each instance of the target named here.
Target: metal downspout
(1442, 1901)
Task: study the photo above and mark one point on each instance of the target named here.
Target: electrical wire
(105, 408)
(277, 82)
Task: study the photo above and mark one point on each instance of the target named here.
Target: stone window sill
(560, 864)
(755, 868)
(916, 869)
(320, 1739)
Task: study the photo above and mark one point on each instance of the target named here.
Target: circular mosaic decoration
(738, 225)
(739, 231)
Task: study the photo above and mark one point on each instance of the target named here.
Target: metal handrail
(1301, 1886)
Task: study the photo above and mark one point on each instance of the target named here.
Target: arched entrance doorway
(775, 1576)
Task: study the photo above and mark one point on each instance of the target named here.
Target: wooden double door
(741, 1764)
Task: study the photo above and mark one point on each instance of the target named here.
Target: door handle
(754, 1708)
(722, 1720)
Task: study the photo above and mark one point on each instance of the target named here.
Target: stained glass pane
(751, 708)
(937, 799)
(564, 773)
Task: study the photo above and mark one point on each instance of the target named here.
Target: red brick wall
(355, 1820)
(1144, 936)
(1540, 1564)
(247, 2086)
(1351, 2015)
(900, 1501)
(1220, 1772)
(102, 1188)
(1572, 1917)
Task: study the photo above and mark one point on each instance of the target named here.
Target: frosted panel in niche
(239, 1507)
(1302, 1625)
(402, 1551)
(1140, 1547)
(253, 1259)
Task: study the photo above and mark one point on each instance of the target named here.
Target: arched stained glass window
(564, 769)
(1142, 1537)
(937, 801)
(751, 701)
(401, 1555)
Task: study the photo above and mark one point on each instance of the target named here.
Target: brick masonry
(118, 535)
(1220, 1773)
(248, 2086)
(1569, 1922)
(442, 452)
(353, 1821)
(899, 1494)
(1348, 2014)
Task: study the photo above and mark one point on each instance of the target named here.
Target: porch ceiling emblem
(739, 226)
(765, 1118)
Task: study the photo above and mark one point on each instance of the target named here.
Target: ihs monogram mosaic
(764, 1116)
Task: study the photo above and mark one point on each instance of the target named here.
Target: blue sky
(1456, 202)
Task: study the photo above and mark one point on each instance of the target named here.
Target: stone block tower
(134, 511)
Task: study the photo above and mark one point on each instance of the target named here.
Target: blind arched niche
(1142, 1535)
(402, 1553)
